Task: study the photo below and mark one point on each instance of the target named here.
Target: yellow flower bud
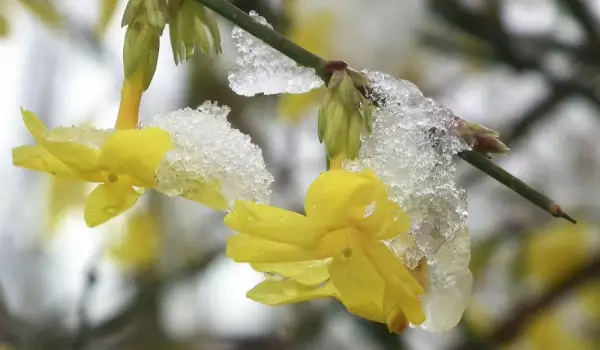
(140, 51)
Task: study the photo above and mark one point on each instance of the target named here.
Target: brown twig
(511, 328)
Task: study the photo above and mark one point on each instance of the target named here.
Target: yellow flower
(139, 248)
(549, 330)
(568, 241)
(119, 160)
(337, 249)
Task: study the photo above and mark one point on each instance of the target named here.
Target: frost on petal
(262, 69)
(207, 149)
(90, 137)
(412, 150)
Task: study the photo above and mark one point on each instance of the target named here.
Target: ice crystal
(83, 135)
(207, 149)
(412, 150)
(262, 69)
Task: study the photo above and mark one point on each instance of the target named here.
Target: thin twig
(518, 186)
(308, 59)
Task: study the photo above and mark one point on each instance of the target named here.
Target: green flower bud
(344, 114)
(131, 12)
(153, 12)
(157, 13)
(190, 27)
(140, 50)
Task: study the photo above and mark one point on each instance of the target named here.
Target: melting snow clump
(208, 150)
(412, 150)
(262, 69)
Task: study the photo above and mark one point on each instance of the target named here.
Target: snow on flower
(412, 148)
(192, 153)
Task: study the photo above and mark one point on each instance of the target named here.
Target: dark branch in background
(511, 328)
(584, 16)
(147, 289)
(91, 279)
(494, 35)
(308, 59)
(521, 127)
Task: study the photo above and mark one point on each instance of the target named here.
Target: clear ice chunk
(207, 149)
(412, 149)
(262, 69)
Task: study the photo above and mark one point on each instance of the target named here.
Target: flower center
(112, 177)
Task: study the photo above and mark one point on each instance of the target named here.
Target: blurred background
(156, 278)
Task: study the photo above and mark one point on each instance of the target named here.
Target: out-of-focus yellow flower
(64, 195)
(562, 239)
(107, 12)
(121, 161)
(590, 301)
(337, 249)
(549, 331)
(139, 248)
(45, 11)
(312, 34)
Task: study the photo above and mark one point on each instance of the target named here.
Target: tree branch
(308, 59)
(511, 328)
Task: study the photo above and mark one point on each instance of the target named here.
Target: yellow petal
(338, 198)
(79, 157)
(392, 269)
(35, 157)
(139, 249)
(371, 310)
(352, 273)
(136, 153)
(272, 223)
(396, 221)
(208, 193)
(309, 273)
(383, 219)
(108, 201)
(246, 248)
(34, 124)
(275, 293)
(400, 308)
